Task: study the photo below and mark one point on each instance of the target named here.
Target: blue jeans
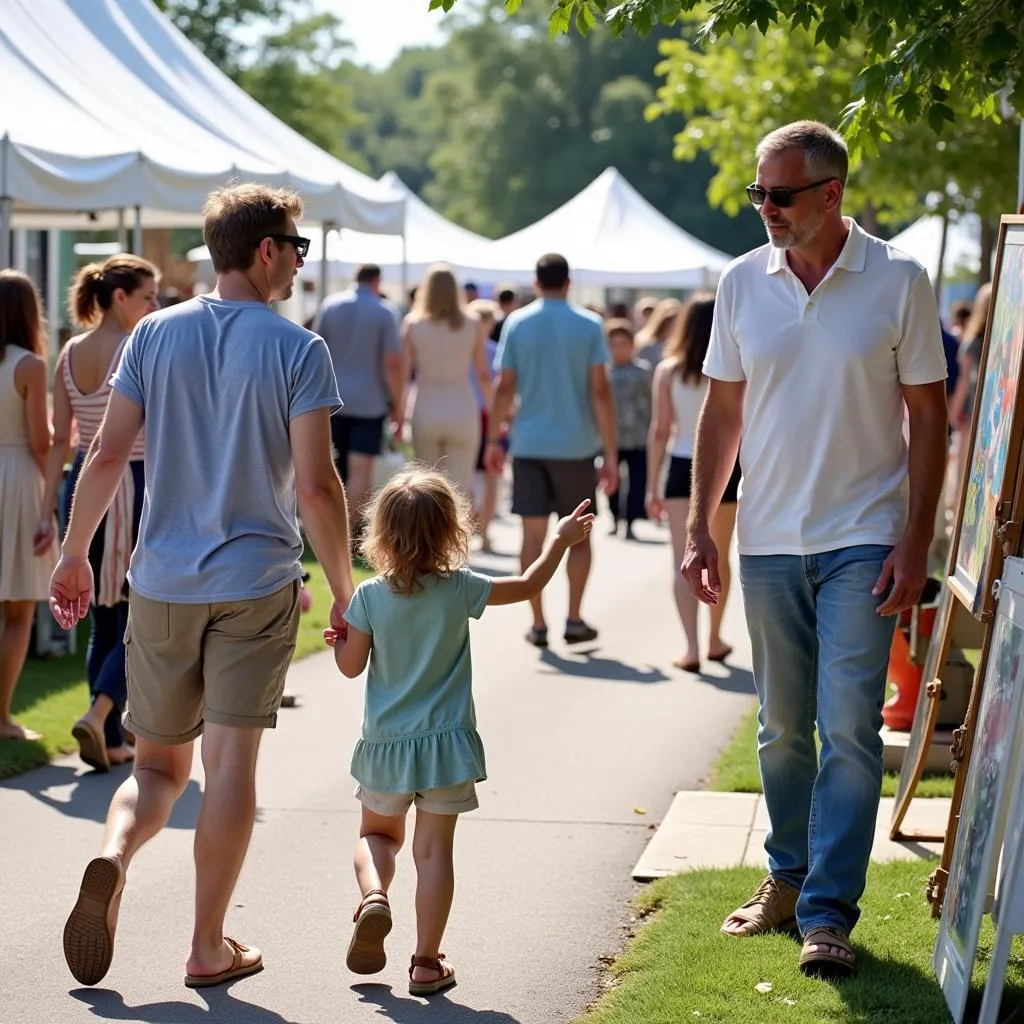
(820, 654)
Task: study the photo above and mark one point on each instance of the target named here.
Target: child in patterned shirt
(631, 385)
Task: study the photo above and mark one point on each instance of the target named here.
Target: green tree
(918, 53)
(735, 92)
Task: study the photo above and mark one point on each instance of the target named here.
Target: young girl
(419, 743)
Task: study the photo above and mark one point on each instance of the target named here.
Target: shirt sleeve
(313, 383)
(723, 359)
(127, 379)
(505, 357)
(920, 358)
(392, 335)
(356, 615)
(477, 589)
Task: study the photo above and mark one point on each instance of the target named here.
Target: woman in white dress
(24, 446)
(678, 391)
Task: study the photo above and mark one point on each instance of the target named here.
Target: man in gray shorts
(236, 402)
(554, 358)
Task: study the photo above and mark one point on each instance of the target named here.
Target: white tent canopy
(429, 239)
(105, 105)
(923, 241)
(612, 237)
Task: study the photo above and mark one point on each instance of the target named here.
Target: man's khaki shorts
(447, 800)
(188, 664)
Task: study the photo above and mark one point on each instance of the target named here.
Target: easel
(975, 596)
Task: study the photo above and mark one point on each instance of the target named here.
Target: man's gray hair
(825, 153)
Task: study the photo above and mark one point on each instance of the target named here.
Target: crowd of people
(193, 633)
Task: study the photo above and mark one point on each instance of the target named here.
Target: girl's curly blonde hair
(418, 525)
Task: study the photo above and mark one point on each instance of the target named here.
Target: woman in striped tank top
(107, 300)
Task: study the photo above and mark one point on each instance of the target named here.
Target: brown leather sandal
(373, 923)
(772, 908)
(818, 959)
(445, 975)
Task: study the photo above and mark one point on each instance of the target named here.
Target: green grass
(736, 770)
(680, 969)
(52, 694)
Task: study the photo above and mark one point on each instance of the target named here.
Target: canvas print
(982, 815)
(997, 393)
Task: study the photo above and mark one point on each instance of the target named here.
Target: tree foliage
(735, 92)
(213, 24)
(923, 59)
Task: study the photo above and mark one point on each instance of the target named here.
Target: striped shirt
(88, 409)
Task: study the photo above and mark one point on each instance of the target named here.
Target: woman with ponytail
(106, 301)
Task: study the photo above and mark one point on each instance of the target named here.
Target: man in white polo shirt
(821, 341)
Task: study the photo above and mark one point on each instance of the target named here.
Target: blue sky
(379, 29)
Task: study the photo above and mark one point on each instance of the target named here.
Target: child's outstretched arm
(570, 530)
(352, 652)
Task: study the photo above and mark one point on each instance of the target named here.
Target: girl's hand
(333, 637)
(575, 528)
(44, 536)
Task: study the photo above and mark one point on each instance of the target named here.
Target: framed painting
(987, 790)
(926, 714)
(995, 442)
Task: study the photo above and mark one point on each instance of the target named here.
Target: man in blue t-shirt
(553, 358)
(236, 402)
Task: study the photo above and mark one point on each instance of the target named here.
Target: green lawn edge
(679, 968)
(736, 771)
(52, 693)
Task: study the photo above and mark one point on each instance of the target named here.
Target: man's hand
(338, 628)
(906, 569)
(655, 507)
(608, 475)
(494, 458)
(700, 559)
(70, 590)
(46, 533)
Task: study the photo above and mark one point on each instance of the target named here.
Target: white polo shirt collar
(852, 257)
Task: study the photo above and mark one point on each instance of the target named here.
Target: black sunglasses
(781, 197)
(301, 244)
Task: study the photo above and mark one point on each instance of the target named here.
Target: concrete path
(585, 752)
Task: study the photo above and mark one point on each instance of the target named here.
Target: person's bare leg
(535, 529)
(488, 505)
(14, 640)
(380, 839)
(360, 478)
(222, 838)
(432, 850)
(722, 526)
(577, 567)
(677, 509)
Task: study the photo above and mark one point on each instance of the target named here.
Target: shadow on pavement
(437, 1009)
(591, 666)
(221, 1008)
(90, 793)
(738, 680)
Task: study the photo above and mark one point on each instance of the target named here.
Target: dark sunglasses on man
(300, 244)
(781, 197)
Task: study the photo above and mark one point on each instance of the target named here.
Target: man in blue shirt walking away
(554, 359)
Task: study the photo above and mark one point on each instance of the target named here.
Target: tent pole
(405, 272)
(122, 230)
(1020, 170)
(943, 243)
(324, 228)
(5, 232)
(137, 232)
(54, 308)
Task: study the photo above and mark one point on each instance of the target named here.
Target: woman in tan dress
(24, 446)
(442, 343)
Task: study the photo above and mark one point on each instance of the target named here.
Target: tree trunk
(868, 218)
(989, 233)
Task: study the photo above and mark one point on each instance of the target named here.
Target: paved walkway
(585, 752)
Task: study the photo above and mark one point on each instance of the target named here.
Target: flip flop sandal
(445, 979)
(241, 967)
(373, 924)
(720, 658)
(687, 666)
(823, 963)
(88, 937)
(537, 637)
(91, 747)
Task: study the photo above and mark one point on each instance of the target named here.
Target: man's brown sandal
(88, 935)
(772, 908)
(373, 923)
(445, 975)
(245, 960)
(819, 957)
